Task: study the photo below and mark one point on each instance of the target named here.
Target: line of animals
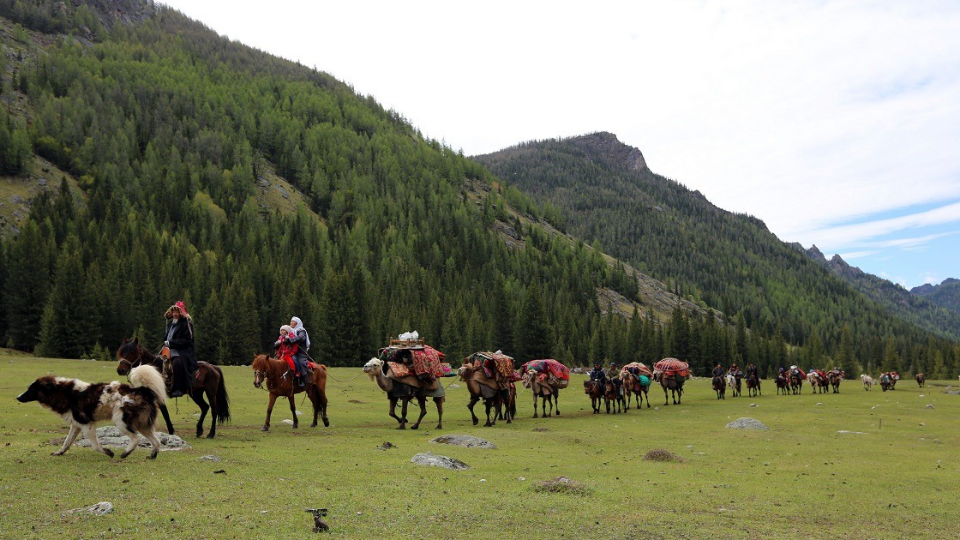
(134, 407)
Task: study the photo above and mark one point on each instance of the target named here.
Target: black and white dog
(132, 407)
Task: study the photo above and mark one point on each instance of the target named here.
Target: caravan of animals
(407, 369)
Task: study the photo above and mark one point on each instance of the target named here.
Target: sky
(836, 123)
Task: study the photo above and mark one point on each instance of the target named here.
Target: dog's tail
(149, 377)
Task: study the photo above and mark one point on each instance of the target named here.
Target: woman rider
(179, 339)
(302, 339)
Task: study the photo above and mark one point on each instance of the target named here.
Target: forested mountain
(922, 311)
(153, 160)
(725, 261)
(946, 294)
(159, 161)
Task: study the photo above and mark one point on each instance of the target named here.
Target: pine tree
(533, 332)
(27, 285)
(891, 358)
(846, 355)
(68, 318)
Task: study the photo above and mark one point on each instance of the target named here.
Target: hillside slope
(727, 261)
(946, 294)
(256, 189)
(923, 311)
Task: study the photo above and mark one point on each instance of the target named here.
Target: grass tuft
(663, 456)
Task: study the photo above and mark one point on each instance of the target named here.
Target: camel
(834, 376)
(631, 385)
(818, 384)
(595, 391)
(547, 390)
(867, 381)
(405, 389)
(672, 383)
(487, 389)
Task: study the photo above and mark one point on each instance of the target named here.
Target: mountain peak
(815, 254)
(607, 146)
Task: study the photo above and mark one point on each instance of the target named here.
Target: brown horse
(613, 394)
(595, 390)
(720, 387)
(782, 385)
(796, 382)
(208, 381)
(274, 371)
(921, 379)
(753, 385)
(401, 391)
(482, 387)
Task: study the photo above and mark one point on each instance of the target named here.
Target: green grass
(800, 478)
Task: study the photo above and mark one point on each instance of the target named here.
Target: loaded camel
(489, 390)
(404, 389)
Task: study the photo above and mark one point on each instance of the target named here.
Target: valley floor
(894, 476)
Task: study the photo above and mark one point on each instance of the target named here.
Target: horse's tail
(222, 414)
(149, 377)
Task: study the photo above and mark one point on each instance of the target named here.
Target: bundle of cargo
(549, 370)
(672, 368)
(496, 365)
(637, 369)
(411, 356)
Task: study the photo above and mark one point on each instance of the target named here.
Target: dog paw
(108, 452)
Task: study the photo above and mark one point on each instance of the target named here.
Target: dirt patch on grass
(356, 401)
(561, 484)
(540, 429)
(662, 455)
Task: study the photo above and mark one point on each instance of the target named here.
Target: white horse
(731, 383)
(867, 381)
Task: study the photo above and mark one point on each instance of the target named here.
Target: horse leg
(422, 402)
(166, 418)
(473, 401)
(214, 405)
(322, 399)
(266, 423)
(312, 392)
(197, 397)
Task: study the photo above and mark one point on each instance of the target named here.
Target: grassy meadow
(800, 478)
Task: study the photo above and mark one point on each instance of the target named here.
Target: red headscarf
(183, 308)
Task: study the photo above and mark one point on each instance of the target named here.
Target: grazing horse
(613, 394)
(867, 381)
(720, 387)
(482, 387)
(273, 371)
(595, 391)
(921, 379)
(672, 383)
(834, 376)
(753, 385)
(633, 385)
(543, 390)
(782, 384)
(796, 382)
(208, 381)
(404, 391)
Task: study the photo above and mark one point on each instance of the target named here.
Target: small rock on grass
(746, 423)
(468, 441)
(433, 460)
(99, 509)
(213, 458)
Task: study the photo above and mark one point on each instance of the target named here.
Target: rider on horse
(718, 371)
(301, 340)
(598, 375)
(287, 349)
(752, 370)
(614, 375)
(179, 341)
